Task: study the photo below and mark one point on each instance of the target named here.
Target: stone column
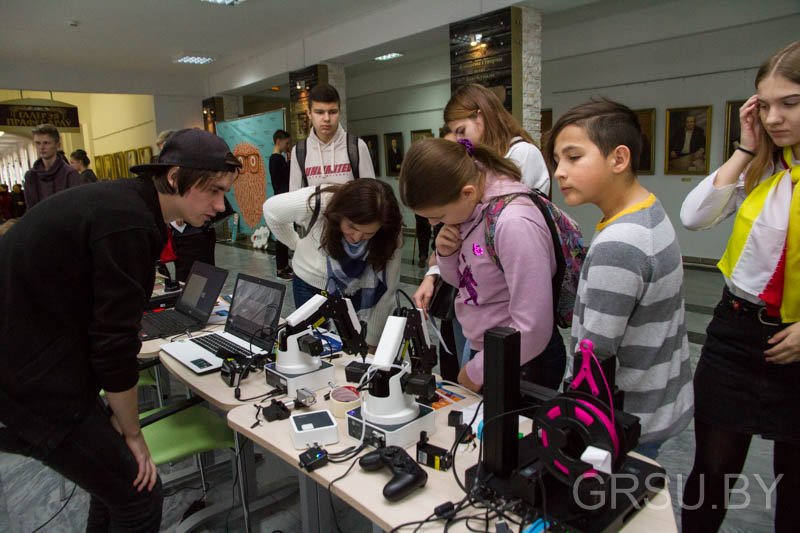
(531, 71)
(336, 78)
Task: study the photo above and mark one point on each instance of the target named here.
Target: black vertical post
(500, 395)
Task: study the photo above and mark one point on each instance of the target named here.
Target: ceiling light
(224, 2)
(275, 88)
(389, 56)
(193, 59)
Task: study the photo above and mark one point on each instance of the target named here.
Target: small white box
(313, 427)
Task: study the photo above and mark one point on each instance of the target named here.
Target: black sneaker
(285, 274)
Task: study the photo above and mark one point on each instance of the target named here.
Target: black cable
(330, 494)
(397, 299)
(233, 492)
(266, 395)
(57, 512)
(454, 448)
(544, 500)
(344, 457)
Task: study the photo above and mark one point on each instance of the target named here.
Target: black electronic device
(433, 456)
(408, 475)
(551, 462)
(234, 369)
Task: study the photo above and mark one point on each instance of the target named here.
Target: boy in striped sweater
(629, 301)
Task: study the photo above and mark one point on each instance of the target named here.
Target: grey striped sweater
(630, 303)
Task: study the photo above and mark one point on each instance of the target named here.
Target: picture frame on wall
(108, 167)
(688, 139)
(417, 135)
(131, 160)
(145, 155)
(647, 121)
(374, 154)
(98, 166)
(119, 165)
(393, 144)
(733, 128)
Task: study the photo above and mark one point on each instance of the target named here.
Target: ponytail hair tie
(468, 145)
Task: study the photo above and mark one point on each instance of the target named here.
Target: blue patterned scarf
(354, 278)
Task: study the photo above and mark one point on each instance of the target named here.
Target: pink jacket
(519, 296)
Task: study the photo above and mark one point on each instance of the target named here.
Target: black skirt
(735, 388)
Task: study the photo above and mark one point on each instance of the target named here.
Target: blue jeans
(96, 457)
(302, 291)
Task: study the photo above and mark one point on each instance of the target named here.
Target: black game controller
(408, 475)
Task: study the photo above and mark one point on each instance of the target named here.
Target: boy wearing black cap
(83, 270)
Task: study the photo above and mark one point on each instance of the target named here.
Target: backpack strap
(315, 214)
(493, 211)
(300, 156)
(353, 155)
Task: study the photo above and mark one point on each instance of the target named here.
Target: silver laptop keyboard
(213, 343)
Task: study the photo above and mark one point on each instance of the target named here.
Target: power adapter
(313, 458)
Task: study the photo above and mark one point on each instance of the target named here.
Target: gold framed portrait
(688, 139)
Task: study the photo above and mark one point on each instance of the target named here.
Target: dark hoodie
(41, 183)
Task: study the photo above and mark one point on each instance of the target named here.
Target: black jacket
(75, 275)
(279, 173)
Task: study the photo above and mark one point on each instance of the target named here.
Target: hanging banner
(250, 139)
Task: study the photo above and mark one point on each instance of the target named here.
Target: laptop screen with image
(255, 310)
(200, 293)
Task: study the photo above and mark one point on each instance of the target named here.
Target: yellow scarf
(766, 225)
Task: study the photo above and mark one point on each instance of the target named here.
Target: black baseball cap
(192, 148)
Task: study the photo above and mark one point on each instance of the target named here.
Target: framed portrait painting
(144, 154)
(647, 121)
(417, 135)
(688, 136)
(374, 154)
(733, 128)
(98, 166)
(119, 165)
(108, 167)
(131, 160)
(393, 142)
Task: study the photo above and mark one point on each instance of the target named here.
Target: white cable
(462, 387)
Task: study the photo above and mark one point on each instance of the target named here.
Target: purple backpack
(567, 243)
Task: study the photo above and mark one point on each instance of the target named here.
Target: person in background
(6, 203)
(327, 158)
(476, 113)
(747, 381)
(162, 138)
(50, 173)
(279, 174)
(18, 201)
(80, 162)
(352, 247)
(75, 277)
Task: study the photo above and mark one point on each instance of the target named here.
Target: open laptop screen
(255, 310)
(200, 293)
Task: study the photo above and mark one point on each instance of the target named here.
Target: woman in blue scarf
(351, 245)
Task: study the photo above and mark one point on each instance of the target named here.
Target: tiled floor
(29, 493)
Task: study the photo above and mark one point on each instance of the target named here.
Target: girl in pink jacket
(454, 183)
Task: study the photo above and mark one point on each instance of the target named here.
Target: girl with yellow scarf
(747, 381)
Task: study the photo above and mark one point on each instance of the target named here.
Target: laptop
(252, 321)
(193, 307)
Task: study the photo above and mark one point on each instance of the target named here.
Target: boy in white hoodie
(327, 158)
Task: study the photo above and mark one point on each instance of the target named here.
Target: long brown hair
(362, 201)
(785, 63)
(435, 170)
(499, 126)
